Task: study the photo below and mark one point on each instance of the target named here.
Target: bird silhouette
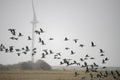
(106, 59)
(18, 54)
(112, 72)
(117, 73)
(45, 50)
(72, 52)
(95, 64)
(67, 48)
(92, 58)
(43, 43)
(75, 40)
(87, 69)
(51, 52)
(106, 73)
(40, 40)
(92, 44)
(58, 53)
(41, 30)
(37, 32)
(33, 54)
(6, 50)
(51, 38)
(17, 50)
(87, 55)
(61, 63)
(91, 76)
(24, 52)
(103, 61)
(29, 38)
(66, 39)
(55, 56)
(13, 38)
(23, 48)
(102, 55)
(11, 48)
(81, 45)
(27, 48)
(104, 67)
(20, 34)
(34, 49)
(85, 63)
(81, 59)
(13, 32)
(76, 74)
(43, 55)
(101, 51)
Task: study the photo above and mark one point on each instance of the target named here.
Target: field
(46, 75)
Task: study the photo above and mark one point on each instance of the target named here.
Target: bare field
(46, 75)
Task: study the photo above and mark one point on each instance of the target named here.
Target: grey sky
(86, 20)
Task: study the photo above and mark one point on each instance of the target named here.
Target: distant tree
(42, 65)
(3, 67)
(27, 65)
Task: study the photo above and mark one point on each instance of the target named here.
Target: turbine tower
(34, 24)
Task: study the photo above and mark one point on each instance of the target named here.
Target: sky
(86, 20)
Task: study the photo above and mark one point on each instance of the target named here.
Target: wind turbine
(34, 24)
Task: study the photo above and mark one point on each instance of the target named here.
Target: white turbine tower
(34, 24)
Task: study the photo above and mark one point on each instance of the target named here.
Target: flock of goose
(63, 61)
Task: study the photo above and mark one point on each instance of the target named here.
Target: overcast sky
(86, 20)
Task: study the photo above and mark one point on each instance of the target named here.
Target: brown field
(45, 75)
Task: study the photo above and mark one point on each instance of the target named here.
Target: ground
(45, 75)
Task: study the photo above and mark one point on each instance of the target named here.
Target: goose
(76, 74)
(45, 50)
(37, 32)
(41, 30)
(101, 51)
(24, 52)
(51, 52)
(117, 73)
(12, 31)
(51, 38)
(67, 48)
(75, 40)
(66, 39)
(13, 38)
(87, 55)
(72, 52)
(18, 54)
(43, 43)
(29, 38)
(106, 59)
(102, 55)
(103, 61)
(81, 45)
(17, 50)
(11, 48)
(20, 34)
(81, 59)
(92, 58)
(92, 44)
(40, 40)
(43, 55)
